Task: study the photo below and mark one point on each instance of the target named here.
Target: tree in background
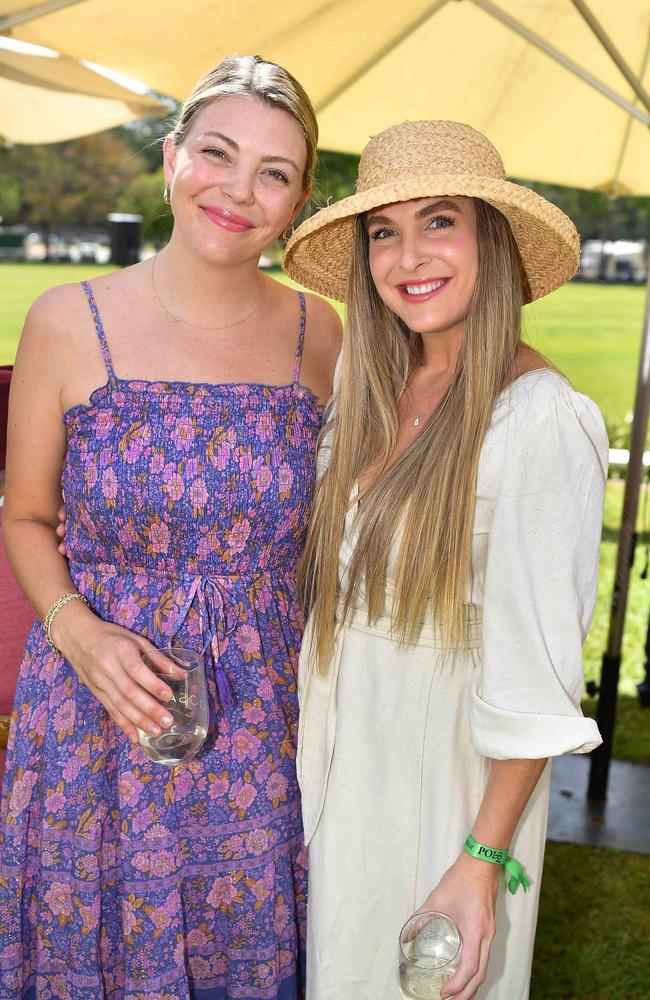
(144, 195)
(9, 198)
(75, 183)
(336, 177)
(145, 136)
(598, 215)
(79, 182)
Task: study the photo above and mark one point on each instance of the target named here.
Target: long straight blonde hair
(429, 492)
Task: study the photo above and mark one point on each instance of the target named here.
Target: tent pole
(604, 39)
(628, 127)
(600, 758)
(564, 60)
(38, 10)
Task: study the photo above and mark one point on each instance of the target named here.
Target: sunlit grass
(594, 926)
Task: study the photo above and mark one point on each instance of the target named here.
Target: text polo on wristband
(514, 872)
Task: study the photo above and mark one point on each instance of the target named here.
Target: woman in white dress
(450, 568)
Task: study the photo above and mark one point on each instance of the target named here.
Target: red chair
(5, 379)
(16, 619)
(16, 613)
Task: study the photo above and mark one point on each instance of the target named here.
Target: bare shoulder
(121, 284)
(58, 347)
(529, 360)
(60, 320)
(53, 323)
(321, 346)
(325, 329)
(323, 314)
(55, 310)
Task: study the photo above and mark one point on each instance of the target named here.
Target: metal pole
(604, 39)
(600, 758)
(10, 21)
(643, 688)
(564, 60)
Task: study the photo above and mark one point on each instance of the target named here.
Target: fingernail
(166, 720)
(154, 731)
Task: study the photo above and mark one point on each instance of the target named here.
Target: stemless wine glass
(429, 953)
(182, 670)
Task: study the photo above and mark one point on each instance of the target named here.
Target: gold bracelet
(53, 612)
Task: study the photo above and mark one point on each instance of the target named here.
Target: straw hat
(426, 159)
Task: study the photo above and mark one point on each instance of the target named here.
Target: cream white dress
(395, 743)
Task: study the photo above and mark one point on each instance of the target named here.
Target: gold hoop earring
(166, 198)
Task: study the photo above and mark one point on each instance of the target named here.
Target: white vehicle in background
(614, 260)
(89, 252)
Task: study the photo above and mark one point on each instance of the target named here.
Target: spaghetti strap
(301, 336)
(108, 361)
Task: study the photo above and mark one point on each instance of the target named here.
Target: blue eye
(441, 222)
(279, 176)
(381, 234)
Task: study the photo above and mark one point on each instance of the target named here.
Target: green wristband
(514, 872)
(494, 855)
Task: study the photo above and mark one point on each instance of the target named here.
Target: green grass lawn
(594, 926)
(593, 334)
(20, 284)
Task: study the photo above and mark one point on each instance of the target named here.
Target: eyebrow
(265, 159)
(422, 213)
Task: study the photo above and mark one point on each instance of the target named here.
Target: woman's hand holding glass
(108, 660)
(467, 893)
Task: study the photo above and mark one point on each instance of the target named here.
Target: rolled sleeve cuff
(503, 734)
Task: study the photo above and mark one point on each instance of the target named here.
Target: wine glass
(429, 953)
(182, 670)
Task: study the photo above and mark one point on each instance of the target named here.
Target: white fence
(619, 457)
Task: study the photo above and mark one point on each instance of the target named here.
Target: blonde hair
(252, 76)
(427, 494)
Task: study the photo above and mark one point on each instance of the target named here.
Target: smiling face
(236, 179)
(423, 257)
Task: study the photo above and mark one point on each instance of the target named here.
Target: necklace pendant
(416, 422)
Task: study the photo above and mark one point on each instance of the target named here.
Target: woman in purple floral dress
(187, 480)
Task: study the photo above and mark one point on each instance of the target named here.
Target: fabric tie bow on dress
(218, 611)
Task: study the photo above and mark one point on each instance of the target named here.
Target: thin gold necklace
(417, 414)
(199, 326)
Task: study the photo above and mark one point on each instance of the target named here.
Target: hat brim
(319, 252)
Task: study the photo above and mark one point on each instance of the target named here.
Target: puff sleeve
(539, 588)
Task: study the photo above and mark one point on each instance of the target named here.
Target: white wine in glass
(421, 982)
(429, 953)
(182, 671)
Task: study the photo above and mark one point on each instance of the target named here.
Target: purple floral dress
(121, 878)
